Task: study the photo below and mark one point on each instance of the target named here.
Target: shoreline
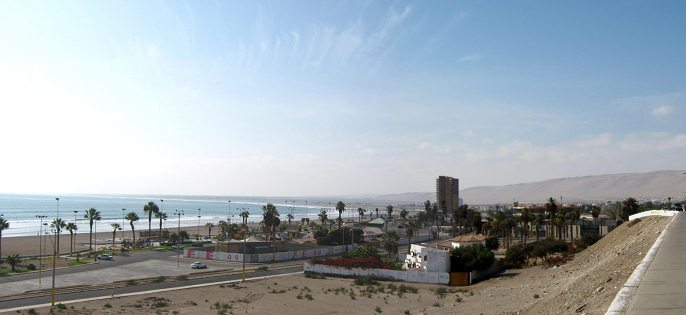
(30, 245)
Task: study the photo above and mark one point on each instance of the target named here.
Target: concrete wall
(266, 257)
(665, 213)
(400, 275)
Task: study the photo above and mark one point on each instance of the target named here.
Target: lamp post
(178, 213)
(307, 220)
(245, 243)
(40, 247)
(123, 216)
(54, 258)
(198, 224)
(58, 207)
(230, 218)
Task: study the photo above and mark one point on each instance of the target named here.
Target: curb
(621, 301)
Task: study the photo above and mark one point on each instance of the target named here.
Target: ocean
(21, 210)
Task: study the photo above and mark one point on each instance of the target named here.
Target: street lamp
(198, 224)
(178, 213)
(123, 216)
(54, 259)
(230, 218)
(58, 207)
(40, 247)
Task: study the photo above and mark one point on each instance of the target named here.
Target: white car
(198, 265)
(104, 257)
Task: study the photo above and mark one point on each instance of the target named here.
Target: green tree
(4, 225)
(551, 209)
(412, 230)
(403, 214)
(476, 219)
(538, 219)
(389, 210)
(470, 258)
(13, 261)
(132, 217)
(245, 215)
(324, 217)
(71, 227)
(224, 229)
(150, 208)
(340, 206)
(390, 243)
(91, 215)
(161, 216)
(629, 207)
(58, 224)
(289, 217)
(574, 216)
(183, 235)
(209, 226)
(115, 227)
(270, 217)
(595, 212)
(525, 219)
(360, 212)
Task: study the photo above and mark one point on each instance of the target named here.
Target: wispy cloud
(602, 139)
(662, 111)
(471, 57)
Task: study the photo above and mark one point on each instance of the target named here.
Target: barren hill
(651, 185)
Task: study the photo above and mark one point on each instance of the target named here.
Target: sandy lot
(586, 285)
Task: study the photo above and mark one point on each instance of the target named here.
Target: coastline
(30, 245)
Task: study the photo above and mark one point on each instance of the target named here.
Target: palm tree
(377, 212)
(574, 216)
(412, 230)
(340, 206)
(150, 209)
(209, 226)
(595, 212)
(629, 207)
(389, 209)
(551, 208)
(224, 228)
(91, 215)
(58, 224)
(162, 216)
(13, 261)
(4, 224)
(323, 217)
(289, 217)
(245, 215)
(71, 227)
(115, 227)
(361, 212)
(390, 243)
(403, 214)
(525, 218)
(538, 219)
(270, 216)
(132, 217)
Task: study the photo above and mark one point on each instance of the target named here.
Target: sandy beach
(30, 245)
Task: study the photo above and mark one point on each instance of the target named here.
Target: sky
(306, 98)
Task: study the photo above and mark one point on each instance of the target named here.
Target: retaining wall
(266, 257)
(400, 275)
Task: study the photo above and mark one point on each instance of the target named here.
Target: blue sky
(325, 98)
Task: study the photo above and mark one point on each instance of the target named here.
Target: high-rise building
(447, 194)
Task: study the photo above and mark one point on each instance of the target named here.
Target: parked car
(198, 265)
(104, 257)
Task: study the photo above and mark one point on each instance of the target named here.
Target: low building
(428, 258)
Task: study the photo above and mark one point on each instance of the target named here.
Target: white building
(428, 258)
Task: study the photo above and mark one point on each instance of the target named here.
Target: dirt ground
(586, 285)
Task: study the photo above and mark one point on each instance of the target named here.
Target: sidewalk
(662, 289)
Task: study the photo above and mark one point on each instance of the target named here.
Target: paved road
(134, 266)
(662, 289)
(138, 288)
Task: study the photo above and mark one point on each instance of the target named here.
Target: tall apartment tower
(447, 193)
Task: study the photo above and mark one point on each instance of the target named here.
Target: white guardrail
(664, 213)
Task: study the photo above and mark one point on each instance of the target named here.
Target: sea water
(21, 211)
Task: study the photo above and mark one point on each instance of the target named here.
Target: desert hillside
(651, 185)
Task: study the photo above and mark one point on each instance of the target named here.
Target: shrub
(363, 251)
(545, 248)
(365, 280)
(492, 243)
(61, 306)
(262, 268)
(517, 255)
(31, 267)
(587, 240)
(472, 257)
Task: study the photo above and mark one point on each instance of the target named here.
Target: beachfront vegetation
(71, 227)
(340, 207)
(390, 243)
(4, 225)
(91, 215)
(13, 261)
(629, 207)
(270, 218)
(209, 226)
(115, 227)
(161, 216)
(150, 208)
(132, 217)
(58, 224)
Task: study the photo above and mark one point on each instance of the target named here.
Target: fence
(266, 257)
(400, 275)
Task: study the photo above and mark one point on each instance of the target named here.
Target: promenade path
(662, 289)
